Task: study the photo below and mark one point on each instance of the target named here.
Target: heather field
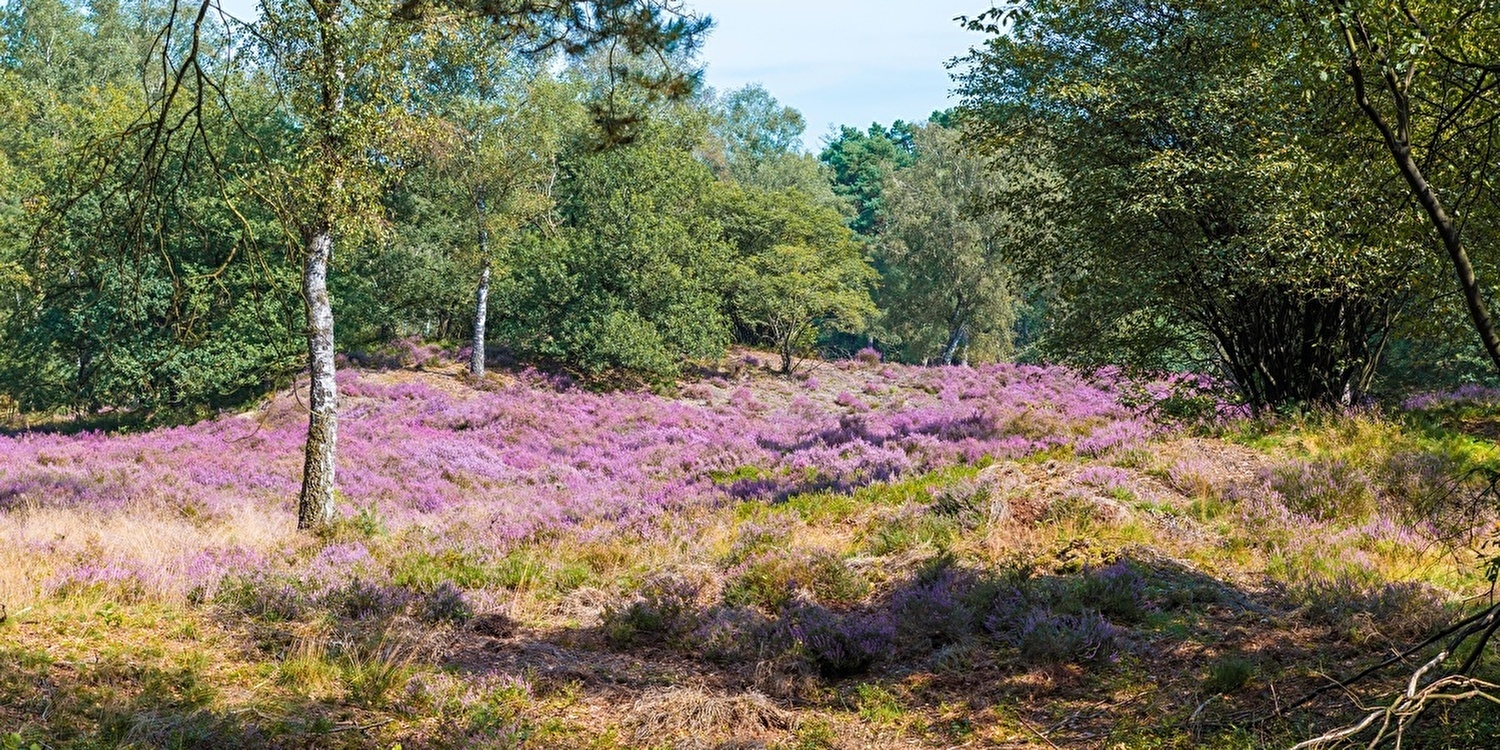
(866, 556)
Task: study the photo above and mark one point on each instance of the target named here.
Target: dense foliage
(1204, 194)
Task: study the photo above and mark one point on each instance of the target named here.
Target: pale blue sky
(841, 62)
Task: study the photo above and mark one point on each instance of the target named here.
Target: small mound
(689, 713)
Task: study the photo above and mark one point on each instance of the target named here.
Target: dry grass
(36, 543)
(696, 716)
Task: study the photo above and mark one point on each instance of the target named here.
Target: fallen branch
(1392, 721)
(1468, 625)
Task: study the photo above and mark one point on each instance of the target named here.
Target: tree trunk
(315, 506)
(481, 311)
(481, 294)
(1468, 281)
(1400, 147)
(956, 327)
(955, 338)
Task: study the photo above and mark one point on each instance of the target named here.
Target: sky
(840, 62)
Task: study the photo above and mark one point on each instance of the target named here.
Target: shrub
(732, 634)
(965, 500)
(932, 613)
(1046, 637)
(263, 596)
(1117, 591)
(665, 608)
(1228, 675)
(1398, 610)
(772, 578)
(850, 401)
(363, 600)
(1048, 622)
(1325, 490)
(1192, 477)
(1109, 479)
(1433, 488)
(753, 538)
(836, 645)
(446, 603)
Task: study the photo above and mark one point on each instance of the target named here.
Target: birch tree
(347, 71)
(947, 282)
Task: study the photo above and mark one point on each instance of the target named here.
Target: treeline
(1298, 200)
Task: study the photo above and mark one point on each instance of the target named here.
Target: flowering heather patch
(503, 465)
(521, 559)
(1323, 489)
(1109, 479)
(1469, 394)
(1045, 637)
(1192, 477)
(837, 644)
(666, 607)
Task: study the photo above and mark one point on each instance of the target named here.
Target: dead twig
(359, 727)
(1038, 733)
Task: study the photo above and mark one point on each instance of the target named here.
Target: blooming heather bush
(665, 608)
(1116, 591)
(933, 611)
(1399, 611)
(850, 401)
(445, 603)
(1045, 637)
(1114, 435)
(1058, 620)
(732, 634)
(259, 595)
(868, 356)
(1192, 477)
(359, 599)
(1434, 489)
(1323, 489)
(697, 391)
(1109, 479)
(837, 645)
(1466, 395)
(755, 537)
(120, 580)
